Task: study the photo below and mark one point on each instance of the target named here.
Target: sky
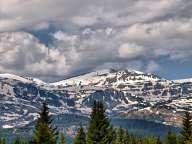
(56, 39)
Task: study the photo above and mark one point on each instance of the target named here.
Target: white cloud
(165, 38)
(93, 34)
(84, 20)
(22, 14)
(131, 50)
(88, 49)
(22, 53)
(92, 49)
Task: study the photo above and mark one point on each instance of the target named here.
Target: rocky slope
(125, 93)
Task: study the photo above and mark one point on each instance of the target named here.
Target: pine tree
(151, 140)
(188, 142)
(99, 131)
(80, 137)
(186, 132)
(62, 138)
(17, 140)
(133, 139)
(170, 138)
(2, 141)
(44, 132)
(120, 136)
(159, 141)
(114, 136)
(126, 137)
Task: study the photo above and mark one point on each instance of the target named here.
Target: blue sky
(86, 35)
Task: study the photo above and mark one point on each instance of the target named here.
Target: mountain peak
(108, 77)
(125, 93)
(14, 77)
(23, 79)
(183, 80)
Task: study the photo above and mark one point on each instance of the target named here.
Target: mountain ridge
(32, 79)
(125, 93)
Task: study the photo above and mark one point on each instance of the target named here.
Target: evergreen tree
(19, 140)
(120, 136)
(62, 138)
(99, 131)
(133, 139)
(2, 141)
(188, 142)
(151, 140)
(186, 132)
(112, 135)
(170, 138)
(44, 132)
(159, 141)
(80, 137)
(126, 137)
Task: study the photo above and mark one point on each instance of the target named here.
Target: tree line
(99, 131)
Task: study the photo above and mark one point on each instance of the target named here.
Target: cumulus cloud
(23, 54)
(93, 35)
(69, 54)
(131, 50)
(22, 14)
(87, 50)
(165, 38)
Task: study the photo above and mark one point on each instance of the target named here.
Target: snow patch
(7, 126)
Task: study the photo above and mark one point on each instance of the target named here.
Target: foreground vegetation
(100, 131)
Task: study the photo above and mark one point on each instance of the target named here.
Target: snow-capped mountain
(108, 77)
(125, 93)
